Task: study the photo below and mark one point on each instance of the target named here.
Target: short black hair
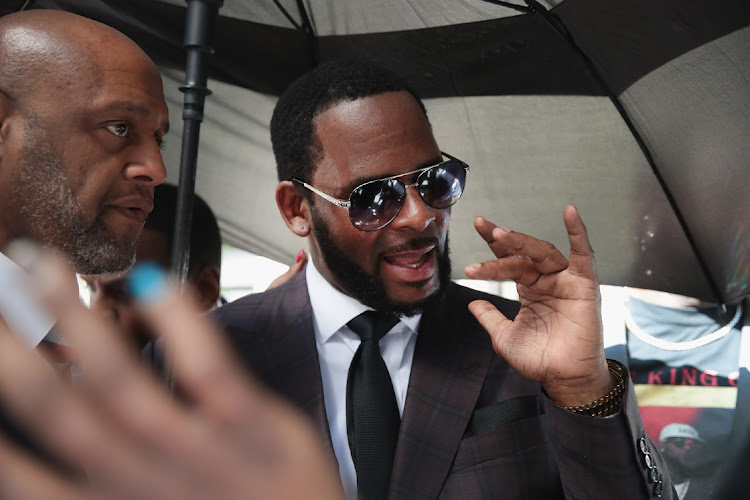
(205, 238)
(295, 143)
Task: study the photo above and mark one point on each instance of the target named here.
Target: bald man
(82, 117)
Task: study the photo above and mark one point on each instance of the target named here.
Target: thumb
(492, 320)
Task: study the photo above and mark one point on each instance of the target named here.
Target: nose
(146, 165)
(415, 215)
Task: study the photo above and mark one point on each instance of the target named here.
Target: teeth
(408, 261)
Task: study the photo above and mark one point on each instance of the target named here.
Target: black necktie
(372, 418)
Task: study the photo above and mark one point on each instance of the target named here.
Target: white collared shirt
(336, 344)
(18, 307)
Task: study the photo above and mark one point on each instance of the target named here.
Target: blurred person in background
(108, 293)
(688, 360)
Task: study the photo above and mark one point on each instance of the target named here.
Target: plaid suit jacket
(472, 427)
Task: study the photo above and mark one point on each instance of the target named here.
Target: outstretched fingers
(277, 447)
(114, 377)
(226, 438)
(79, 438)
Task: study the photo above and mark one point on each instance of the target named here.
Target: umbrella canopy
(638, 112)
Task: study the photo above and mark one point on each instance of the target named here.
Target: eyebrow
(129, 107)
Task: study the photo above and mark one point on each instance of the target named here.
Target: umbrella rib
(557, 25)
(310, 33)
(519, 8)
(305, 27)
(287, 15)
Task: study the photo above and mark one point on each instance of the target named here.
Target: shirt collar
(333, 309)
(18, 307)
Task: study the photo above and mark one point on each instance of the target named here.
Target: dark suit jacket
(472, 427)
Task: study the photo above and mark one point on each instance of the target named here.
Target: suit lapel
(292, 355)
(451, 360)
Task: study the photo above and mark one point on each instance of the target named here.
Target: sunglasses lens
(442, 186)
(375, 204)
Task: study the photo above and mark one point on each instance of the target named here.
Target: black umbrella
(636, 111)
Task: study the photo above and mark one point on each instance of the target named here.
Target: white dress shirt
(18, 307)
(336, 344)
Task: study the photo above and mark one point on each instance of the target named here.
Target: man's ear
(207, 286)
(7, 121)
(4, 114)
(294, 208)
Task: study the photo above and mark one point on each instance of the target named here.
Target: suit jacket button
(655, 474)
(644, 445)
(659, 489)
(649, 460)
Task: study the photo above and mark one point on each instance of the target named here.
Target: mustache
(415, 244)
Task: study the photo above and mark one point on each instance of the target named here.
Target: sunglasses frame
(347, 203)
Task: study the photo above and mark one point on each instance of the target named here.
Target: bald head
(50, 48)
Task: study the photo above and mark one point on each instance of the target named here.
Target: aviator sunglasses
(374, 204)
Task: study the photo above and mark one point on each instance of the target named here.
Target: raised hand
(225, 438)
(556, 338)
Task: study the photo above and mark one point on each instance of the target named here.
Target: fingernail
(147, 282)
(299, 256)
(503, 229)
(471, 268)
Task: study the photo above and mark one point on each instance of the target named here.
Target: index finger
(545, 257)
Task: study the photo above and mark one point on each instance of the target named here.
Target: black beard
(369, 289)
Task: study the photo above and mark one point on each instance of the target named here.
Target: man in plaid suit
(504, 415)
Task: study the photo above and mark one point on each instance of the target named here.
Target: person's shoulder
(255, 306)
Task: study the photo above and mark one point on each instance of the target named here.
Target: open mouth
(412, 266)
(412, 260)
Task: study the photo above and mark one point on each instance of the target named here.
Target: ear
(5, 105)
(207, 286)
(8, 122)
(294, 208)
